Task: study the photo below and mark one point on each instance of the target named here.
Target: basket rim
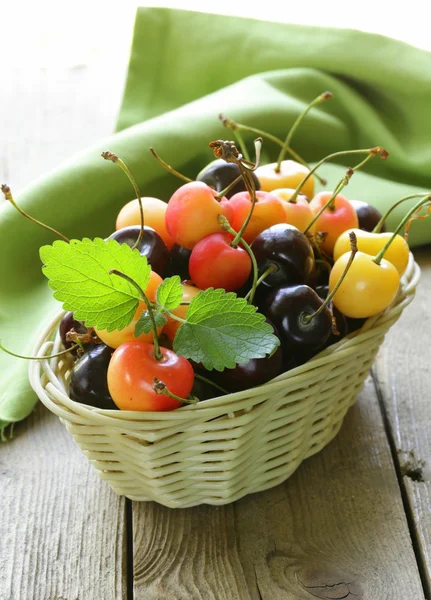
(56, 399)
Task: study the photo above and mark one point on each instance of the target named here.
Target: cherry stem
(8, 196)
(231, 124)
(161, 388)
(169, 168)
(215, 385)
(241, 144)
(226, 226)
(416, 217)
(38, 357)
(114, 158)
(354, 249)
(339, 187)
(378, 258)
(271, 269)
(378, 150)
(291, 133)
(227, 189)
(157, 353)
(380, 224)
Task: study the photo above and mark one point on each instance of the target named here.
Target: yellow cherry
(290, 176)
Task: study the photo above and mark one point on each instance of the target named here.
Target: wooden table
(354, 522)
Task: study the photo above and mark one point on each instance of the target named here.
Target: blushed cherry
(298, 211)
(334, 220)
(268, 210)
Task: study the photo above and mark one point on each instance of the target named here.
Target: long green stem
(37, 357)
(161, 388)
(377, 151)
(354, 249)
(291, 133)
(114, 158)
(231, 124)
(264, 275)
(205, 380)
(157, 353)
(378, 258)
(339, 187)
(169, 168)
(380, 224)
(8, 195)
(228, 188)
(241, 144)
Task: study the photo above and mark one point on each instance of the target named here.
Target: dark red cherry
(152, 246)
(179, 262)
(341, 328)
(203, 390)
(67, 323)
(288, 249)
(219, 174)
(289, 308)
(88, 380)
(368, 215)
(354, 324)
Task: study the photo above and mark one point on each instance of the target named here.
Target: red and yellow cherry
(193, 212)
(268, 210)
(171, 327)
(131, 374)
(154, 216)
(368, 215)
(298, 212)
(215, 263)
(334, 220)
(368, 287)
(371, 243)
(290, 176)
(289, 250)
(115, 338)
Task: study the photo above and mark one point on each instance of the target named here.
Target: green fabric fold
(185, 69)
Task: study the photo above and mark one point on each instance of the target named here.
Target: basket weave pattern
(227, 447)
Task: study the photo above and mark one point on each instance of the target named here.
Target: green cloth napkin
(186, 68)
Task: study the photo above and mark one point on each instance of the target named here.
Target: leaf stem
(8, 196)
(291, 133)
(114, 158)
(161, 388)
(169, 168)
(157, 353)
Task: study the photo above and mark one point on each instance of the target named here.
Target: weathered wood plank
(403, 375)
(62, 531)
(336, 529)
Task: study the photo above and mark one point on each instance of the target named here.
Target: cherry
(288, 250)
(219, 174)
(292, 310)
(368, 215)
(115, 338)
(151, 245)
(268, 210)
(67, 323)
(334, 220)
(214, 262)
(88, 379)
(154, 214)
(298, 211)
(179, 261)
(291, 174)
(371, 243)
(172, 326)
(193, 212)
(131, 375)
(340, 320)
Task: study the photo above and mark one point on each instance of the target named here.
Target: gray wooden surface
(354, 522)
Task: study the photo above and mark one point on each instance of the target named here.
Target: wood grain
(403, 375)
(62, 531)
(335, 530)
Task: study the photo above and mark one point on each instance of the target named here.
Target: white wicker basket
(221, 449)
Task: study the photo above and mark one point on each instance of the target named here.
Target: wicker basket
(224, 448)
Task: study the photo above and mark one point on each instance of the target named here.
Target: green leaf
(144, 323)
(79, 275)
(170, 292)
(222, 331)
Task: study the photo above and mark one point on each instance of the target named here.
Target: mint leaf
(79, 275)
(144, 323)
(222, 331)
(170, 292)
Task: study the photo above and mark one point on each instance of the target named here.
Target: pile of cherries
(316, 265)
